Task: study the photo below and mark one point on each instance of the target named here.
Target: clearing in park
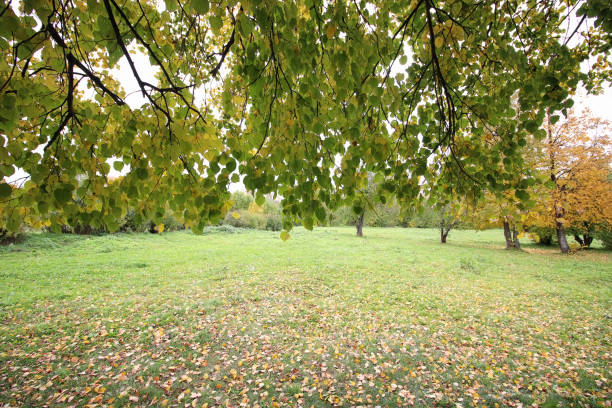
(239, 318)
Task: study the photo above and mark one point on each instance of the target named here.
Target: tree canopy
(299, 99)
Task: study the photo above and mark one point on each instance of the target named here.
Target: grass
(243, 319)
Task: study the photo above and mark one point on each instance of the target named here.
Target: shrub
(423, 217)
(256, 221)
(133, 222)
(542, 235)
(274, 222)
(605, 235)
(231, 220)
(250, 215)
(171, 223)
(228, 229)
(129, 223)
(241, 200)
(245, 220)
(383, 215)
(8, 238)
(343, 216)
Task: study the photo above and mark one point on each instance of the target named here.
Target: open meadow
(239, 318)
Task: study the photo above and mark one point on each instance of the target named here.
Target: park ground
(240, 318)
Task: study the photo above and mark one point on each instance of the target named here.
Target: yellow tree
(575, 156)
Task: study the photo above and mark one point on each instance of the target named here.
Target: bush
(605, 235)
(343, 216)
(245, 220)
(228, 229)
(241, 200)
(256, 221)
(250, 215)
(133, 222)
(542, 235)
(274, 222)
(383, 215)
(8, 238)
(81, 229)
(424, 217)
(129, 223)
(171, 223)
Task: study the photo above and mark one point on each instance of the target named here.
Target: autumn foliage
(575, 158)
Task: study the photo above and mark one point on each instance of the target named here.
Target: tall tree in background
(576, 157)
(277, 92)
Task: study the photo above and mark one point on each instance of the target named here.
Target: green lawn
(244, 319)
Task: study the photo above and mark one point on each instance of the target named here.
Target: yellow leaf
(236, 215)
(285, 235)
(331, 30)
(439, 42)
(160, 228)
(100, 389)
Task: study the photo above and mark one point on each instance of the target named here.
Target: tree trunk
(443, 235)
(585, 241)
(579, 240)
(559, 212)
(561, 231)
(561, 238)
(515, 239)
(359, 225)
(507, 234)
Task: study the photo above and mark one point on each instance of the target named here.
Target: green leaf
(284, 235)
(171, 5)
(142, 173)
(308, 223)
(215, 23)
(522, 195)
(118, 165)
(245, 26)
(5, 190)
(231, 165)
(43, 207)
(320, 214)
(200, 6)
(63, 194)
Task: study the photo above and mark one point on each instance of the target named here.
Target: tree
(446, 209)
(502, 209)
(576, 158)
(278, 92)
(367, 193)
(448, 221)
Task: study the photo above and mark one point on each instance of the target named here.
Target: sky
(600, 105)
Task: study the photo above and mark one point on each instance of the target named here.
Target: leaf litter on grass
(287, 334)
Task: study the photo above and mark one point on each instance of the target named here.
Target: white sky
(600, 105)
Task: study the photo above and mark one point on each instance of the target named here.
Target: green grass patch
(326, 318)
